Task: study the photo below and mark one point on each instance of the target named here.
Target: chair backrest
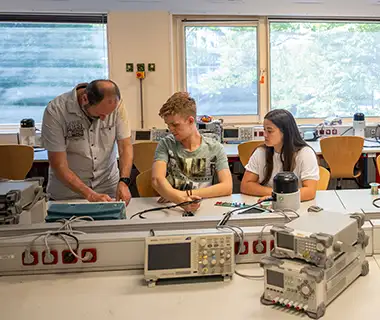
(143, 154)
(341, 154)
(245, 150)
(15, 161)
(378, 164)
(324, 178)
(144, 184)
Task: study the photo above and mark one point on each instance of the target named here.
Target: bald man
(79, 131)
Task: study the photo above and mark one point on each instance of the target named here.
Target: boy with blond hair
(188, 166)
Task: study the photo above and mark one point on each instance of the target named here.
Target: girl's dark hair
(291, 144)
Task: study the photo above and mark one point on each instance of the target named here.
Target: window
(321, 69)
(42, 57)
(221, 63)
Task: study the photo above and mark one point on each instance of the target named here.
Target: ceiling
(370, 8)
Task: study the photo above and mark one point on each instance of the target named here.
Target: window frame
(345, 120)
(180, 76)
(263, 44)
(100, 18)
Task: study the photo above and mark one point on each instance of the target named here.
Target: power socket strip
(106, 251)
(254, 247)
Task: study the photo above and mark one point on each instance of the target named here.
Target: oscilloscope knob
(320, 247)
(306, 290)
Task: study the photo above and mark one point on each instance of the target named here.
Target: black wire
(227, 215)
(374, 202)
(69, 235)
(152, 233)
(140, 214)
(342, 134)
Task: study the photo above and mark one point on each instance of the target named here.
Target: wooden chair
(144, 184)
(143, 154)
(245, 150)
(378, 164)
(324, 178)
(15, 161)
(341, 155)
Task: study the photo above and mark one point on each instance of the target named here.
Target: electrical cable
(257, 277)
(342, 134)
(374, 202)
(227, 215)
(185, 203)
(249, 276)
(87, 255)
(67, 224)
(282, 211)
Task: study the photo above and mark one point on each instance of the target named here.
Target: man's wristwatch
(127, 181)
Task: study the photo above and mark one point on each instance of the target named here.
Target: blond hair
(179, 103)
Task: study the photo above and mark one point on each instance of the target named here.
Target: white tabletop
(123, 295)
(328, 200)
(359, 199)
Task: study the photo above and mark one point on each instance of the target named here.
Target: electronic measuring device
(149, 134)
(319, 237)
(305, 287)
(95, 210)
(211, 129)
(201, 253)
(18, 195)
(233, 134)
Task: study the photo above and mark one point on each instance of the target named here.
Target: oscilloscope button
(202, 242)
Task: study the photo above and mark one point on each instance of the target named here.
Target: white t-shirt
(306, 167)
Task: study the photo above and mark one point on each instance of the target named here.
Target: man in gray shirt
(79, 131)
(188, 166)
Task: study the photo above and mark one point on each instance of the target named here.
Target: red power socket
(334, 131)
(35, 259)
(245, 251)
(68, 257)
(271, 245)
(255, 243)
(55, 255)
(261, 133)
(328, 131)
(93, 252)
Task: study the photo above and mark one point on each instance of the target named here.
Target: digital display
(285, 241)
(275, 278)
(169, 256)
(231, 133)
(142, 135)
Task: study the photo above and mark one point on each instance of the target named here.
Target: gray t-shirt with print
(191, 170)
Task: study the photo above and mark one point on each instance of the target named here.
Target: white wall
(357, 8)
(141, 37)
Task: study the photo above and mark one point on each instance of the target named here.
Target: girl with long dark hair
(284, 150)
